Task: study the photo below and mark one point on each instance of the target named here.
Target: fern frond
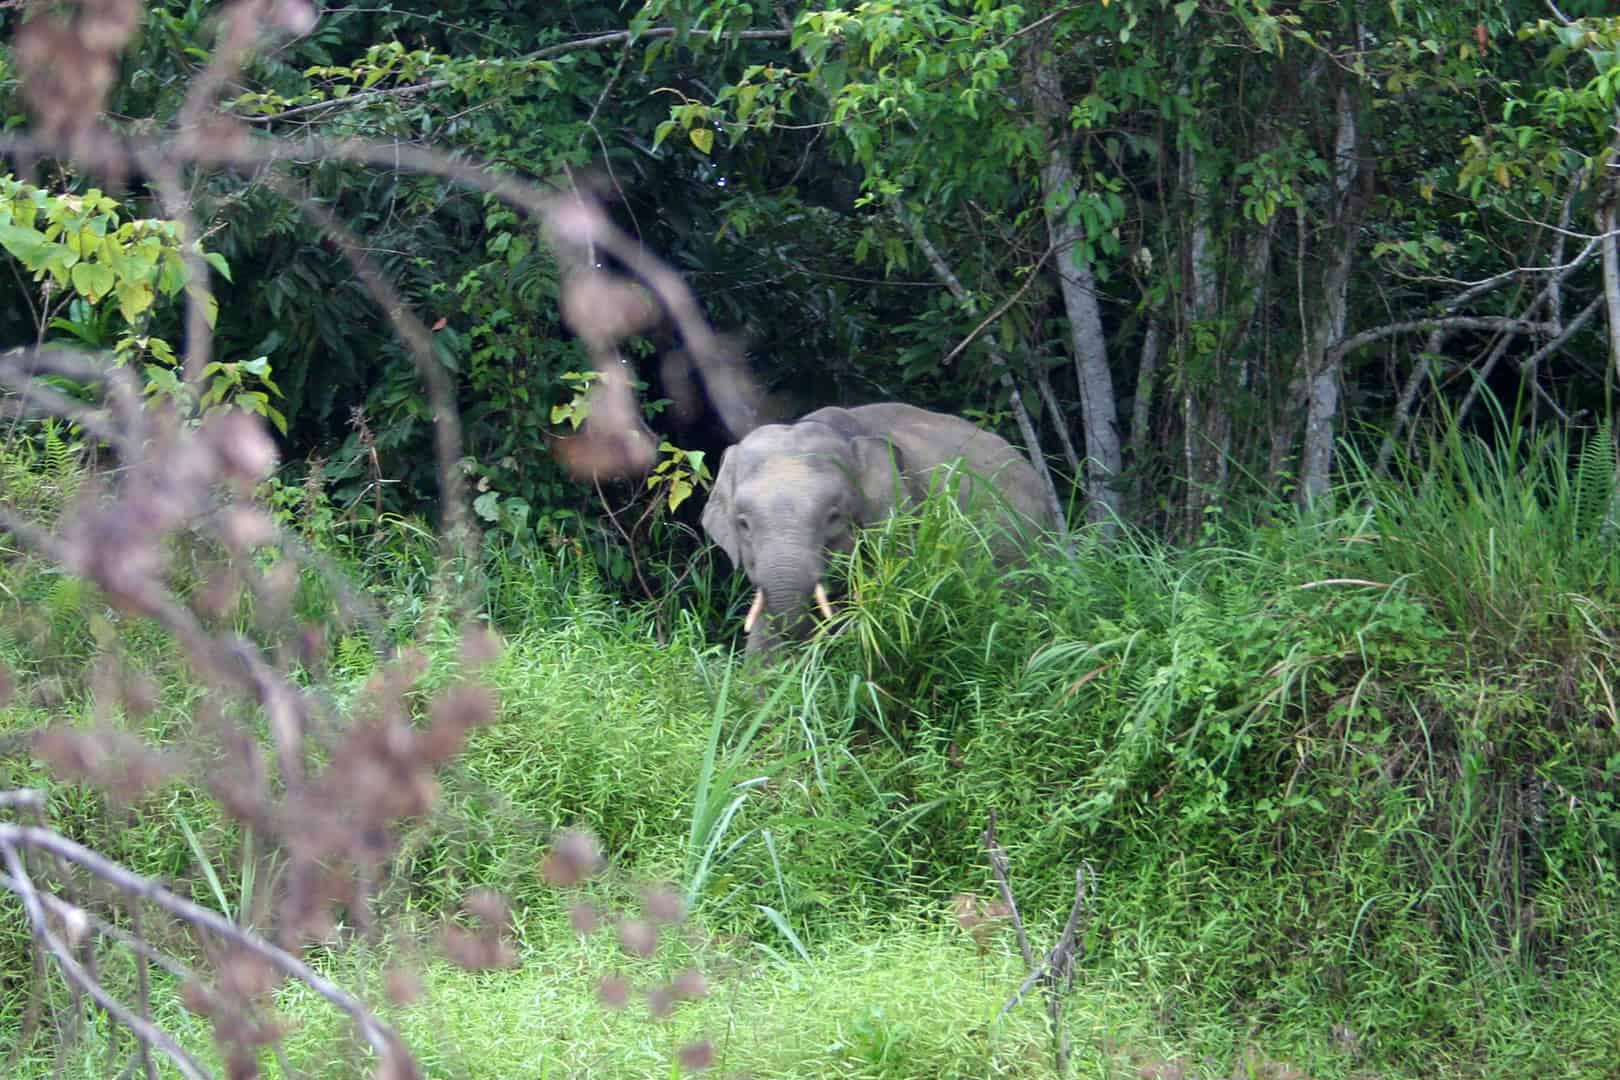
(1594, 480)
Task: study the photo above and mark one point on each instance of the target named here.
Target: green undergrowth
(1346, 782)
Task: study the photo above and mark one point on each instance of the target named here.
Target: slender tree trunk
(1204, 421)
(1044, 383)
(1408, 399)
(1078, 288)
(1611, 280)
(1286, 421)
(1611, 303)
(1147, 370)
(1026, 426)
(1322, 362)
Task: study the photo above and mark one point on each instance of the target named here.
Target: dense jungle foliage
(1312, 312)
(1198, 242)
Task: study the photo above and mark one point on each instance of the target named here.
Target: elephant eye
(835, 519)
(742, 524)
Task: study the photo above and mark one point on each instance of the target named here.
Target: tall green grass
(1348, 780)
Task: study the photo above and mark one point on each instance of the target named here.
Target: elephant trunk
(788, 585)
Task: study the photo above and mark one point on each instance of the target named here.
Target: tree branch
(1006, 306)
(1026, 426)
(381, 1038)
(578, 44)
(22, 886)
(1499, 323)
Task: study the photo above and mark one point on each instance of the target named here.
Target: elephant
(787, 495)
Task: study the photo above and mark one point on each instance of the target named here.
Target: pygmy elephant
(788, 494)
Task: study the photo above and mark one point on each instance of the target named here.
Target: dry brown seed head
(584, 918)
(402, 986)
(465, 707)
(604, 309)
(638, 938)
(75, 925)
(690, 985)
(696, 1056)
(479, 646)
(660, 1002)
(663, 905)
(197, 998)
(244, 975)
(489, 906)
(613, 991)
(574, 221)
(295, 17)
(242, 444)
(474, 951)
(575, 857)
(140, 694)
(243, 528)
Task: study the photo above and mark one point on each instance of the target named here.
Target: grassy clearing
(1349, 784)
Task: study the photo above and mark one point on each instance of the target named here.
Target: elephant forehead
(788, 477)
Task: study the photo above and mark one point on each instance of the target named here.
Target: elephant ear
(718, 519)
(881, 466)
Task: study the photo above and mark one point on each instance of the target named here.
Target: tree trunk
(1611, 302)
(1078, 288)
(1322, 362)
(1043, 383)
(1204, 419)
(1026, 425)
(1147, 370)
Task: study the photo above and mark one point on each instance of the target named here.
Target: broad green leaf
(172, 278)
(217, 261)
(26, 245)
(134, 298)
(703, 138)
(93, 281)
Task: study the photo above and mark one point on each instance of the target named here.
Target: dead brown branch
(187, 484)
(1055, 971)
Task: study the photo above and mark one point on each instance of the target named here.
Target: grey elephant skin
(789, 494)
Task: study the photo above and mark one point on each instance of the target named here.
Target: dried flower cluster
(576, 857)
(328, 795)
(68, 59)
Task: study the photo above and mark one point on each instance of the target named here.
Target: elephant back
(928, 441)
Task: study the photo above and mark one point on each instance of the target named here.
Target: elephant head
(786, 497)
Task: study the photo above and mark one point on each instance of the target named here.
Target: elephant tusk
(822, 602)
(755, 610)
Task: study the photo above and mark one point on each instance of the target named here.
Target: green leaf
(702, 138)
(134, 298)
(26, 245)
(679, 489)
(1185, 9)
(173, 276)
(93, 281)
(217, 261)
